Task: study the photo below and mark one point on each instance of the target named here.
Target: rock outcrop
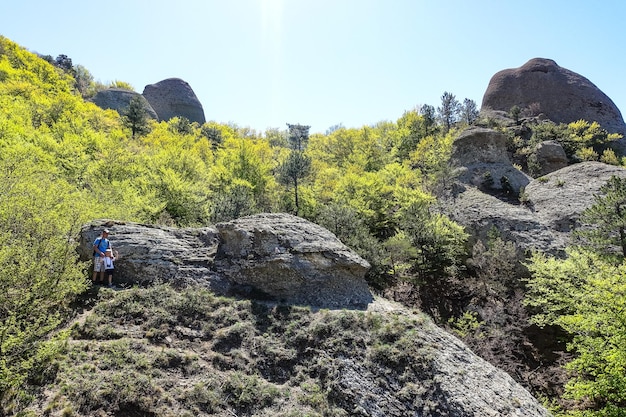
(276, 256)
(292, 259)
(481, 159)
(549, 210)
(549, 157)
(174, 97)
(119, 99)
(563, 96)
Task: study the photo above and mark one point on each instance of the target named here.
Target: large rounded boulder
(563, 96)
(174, 97)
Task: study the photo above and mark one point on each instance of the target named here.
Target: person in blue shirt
(100, 245)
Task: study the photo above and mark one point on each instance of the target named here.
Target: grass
(159, 352)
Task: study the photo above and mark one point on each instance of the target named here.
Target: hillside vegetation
(64, 162)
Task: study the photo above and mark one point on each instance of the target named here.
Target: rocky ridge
(537, 214)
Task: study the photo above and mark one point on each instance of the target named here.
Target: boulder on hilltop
(275, 256)
(292, 259)
(563, 96)
(174, 97)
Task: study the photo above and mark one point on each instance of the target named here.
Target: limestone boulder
(174, 97)
(558, 198)
(481, 159)
(273, 256)
(292, 259)
(148, 254)
(119, 99)
(549, 157)
(563, 96)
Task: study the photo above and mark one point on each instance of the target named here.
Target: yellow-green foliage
(586, 295)
(65, 162)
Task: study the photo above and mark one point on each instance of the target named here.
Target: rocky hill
(271, 314)
(187, 351)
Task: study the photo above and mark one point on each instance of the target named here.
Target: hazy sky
(265, 63)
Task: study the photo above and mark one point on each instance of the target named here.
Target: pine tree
(297, 165)
(604, 223)
(449, 110)
(136, 117)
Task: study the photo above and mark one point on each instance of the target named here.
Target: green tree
(181, 125)
(468, 111)
(65, 63)
(440, 252)
(40, 215)
(515, 113)
(604, 223)
(448, 113)
(234, 201)
(430, 120)
(84, 82)
(297, 165)
(586, 296)
(583, 135)
(135, 117)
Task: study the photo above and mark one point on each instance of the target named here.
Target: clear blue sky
(264, 63)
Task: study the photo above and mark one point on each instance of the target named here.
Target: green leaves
(586, 296)
(39, 216)
(604, 223)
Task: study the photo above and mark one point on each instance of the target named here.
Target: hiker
(109, 267)
(100, 245)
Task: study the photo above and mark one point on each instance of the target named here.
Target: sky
(264, 63)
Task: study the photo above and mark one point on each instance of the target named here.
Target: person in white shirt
(109, 268)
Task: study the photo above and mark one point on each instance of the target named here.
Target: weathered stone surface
(549, 157)
(558, 198)
(563, 96)
(551, 207)
(174, 97)
(455, 382)
(293, 259)
(119, 99)
(151, 253)
(279, 256)
(479, 154)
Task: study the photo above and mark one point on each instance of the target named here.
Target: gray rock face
(464, 384)
(119, 99)
(174, 97)
(552, 206)
(550, 156)
(280, 256)
(558, 198)
(562, 95)
(480, 154)
(151, 253)
(293, 259)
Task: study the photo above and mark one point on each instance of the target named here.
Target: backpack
(97, 243)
